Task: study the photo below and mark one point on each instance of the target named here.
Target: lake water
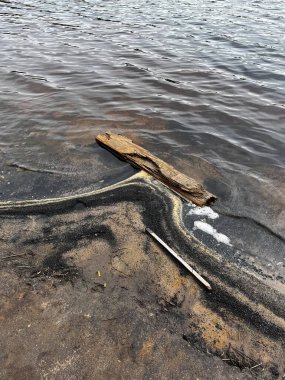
(199, 83)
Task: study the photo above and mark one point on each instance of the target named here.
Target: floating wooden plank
(139, 157)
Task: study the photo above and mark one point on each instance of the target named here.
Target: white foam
(205, 227)
(203, 211)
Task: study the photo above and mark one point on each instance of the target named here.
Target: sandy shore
(86, 293)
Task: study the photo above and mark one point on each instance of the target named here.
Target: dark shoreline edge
(233, 289)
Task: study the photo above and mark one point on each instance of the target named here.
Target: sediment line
(242, 294)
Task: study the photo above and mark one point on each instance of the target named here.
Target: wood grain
(139, 157)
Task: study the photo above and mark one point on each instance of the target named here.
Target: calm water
(199, 83)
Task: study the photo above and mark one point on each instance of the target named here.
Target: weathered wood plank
(139, 157)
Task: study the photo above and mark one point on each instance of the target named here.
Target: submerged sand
(86, 294)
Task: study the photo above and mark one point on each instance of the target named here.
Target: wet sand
(91, 295)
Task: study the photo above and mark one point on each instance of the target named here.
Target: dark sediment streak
(242, 301)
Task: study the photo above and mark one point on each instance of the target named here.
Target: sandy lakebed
(86, 293)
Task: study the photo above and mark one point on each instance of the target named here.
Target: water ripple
(201, 83)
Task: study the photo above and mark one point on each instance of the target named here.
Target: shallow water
(199, 83)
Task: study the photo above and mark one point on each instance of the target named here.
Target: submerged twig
(256, 365)
(11, 256)
(244, 355)
(239, 358)
(183, 262)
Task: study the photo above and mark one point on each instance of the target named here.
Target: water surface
(199, 83)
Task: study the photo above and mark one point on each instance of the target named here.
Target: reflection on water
(200, 83)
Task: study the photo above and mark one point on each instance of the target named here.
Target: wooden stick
(139, 157)
(183, 262)
(256, 365)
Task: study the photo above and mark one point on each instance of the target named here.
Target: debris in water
(205, 227)
(139, 157)
(203, 211)
(16, 255)
(239, 359)
(183, 262)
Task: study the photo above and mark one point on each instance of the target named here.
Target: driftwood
(186, 187)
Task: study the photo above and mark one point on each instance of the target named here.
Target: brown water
(199, 83)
